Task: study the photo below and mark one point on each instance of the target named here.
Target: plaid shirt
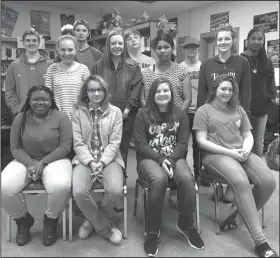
(96, 144)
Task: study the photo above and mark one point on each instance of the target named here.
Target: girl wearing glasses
(97, 134)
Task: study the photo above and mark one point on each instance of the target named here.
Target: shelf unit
(147, 29)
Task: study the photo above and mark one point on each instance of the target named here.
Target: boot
(50, 231)
(23, 229)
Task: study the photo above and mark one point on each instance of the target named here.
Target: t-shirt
(176, 75)
(89, 56)
(66, 85)
(223, 125)
(145, 61)
(193, 70)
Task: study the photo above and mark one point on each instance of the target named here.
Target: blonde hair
(68, 36)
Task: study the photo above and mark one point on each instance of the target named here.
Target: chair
(98, 188)
(34, 188)
(144, 185)
(216, 182)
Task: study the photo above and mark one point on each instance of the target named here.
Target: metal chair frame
(29, 189)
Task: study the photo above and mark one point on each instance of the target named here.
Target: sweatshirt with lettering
(161, 141)
(237, 66)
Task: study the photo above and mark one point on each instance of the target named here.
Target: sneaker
(85, 230)
(151, 244)
(116, 236)
(192, 236)
(264, 250)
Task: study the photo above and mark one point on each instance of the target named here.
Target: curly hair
(152, 107)
(233, 102)
(27, 107)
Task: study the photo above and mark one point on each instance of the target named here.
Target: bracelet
(103, 164)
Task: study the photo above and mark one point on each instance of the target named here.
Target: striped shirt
(66, 85)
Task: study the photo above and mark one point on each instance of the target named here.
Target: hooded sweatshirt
(21, 76)
(237, 66)
(263, 87)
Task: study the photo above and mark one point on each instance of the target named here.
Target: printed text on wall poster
(266, 22)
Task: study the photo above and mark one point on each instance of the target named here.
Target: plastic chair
(34, 188)
(144, 185)
(98, 188)
(216, 182)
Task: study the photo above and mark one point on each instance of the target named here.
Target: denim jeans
(100, 216)
(56, 178)
(259, 125)
(239, 176)
(157, 178)
(195, 148)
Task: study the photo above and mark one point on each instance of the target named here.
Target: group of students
(74, 120)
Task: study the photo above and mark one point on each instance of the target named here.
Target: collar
(120, 65)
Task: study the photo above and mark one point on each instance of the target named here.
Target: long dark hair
(162, 36)
(125, 58)
(262, 53)
(233, 102)
(152, 107)
(27, 107)
(83, 96)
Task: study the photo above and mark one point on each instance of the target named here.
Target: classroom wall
(24, 22)
(197, 21)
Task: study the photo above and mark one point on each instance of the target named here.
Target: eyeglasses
(95, 90)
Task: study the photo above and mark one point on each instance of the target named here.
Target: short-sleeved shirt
(224, 126)
(176, 74)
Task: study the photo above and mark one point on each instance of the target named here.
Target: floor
(237, 243)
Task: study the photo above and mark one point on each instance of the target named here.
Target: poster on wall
(8, 20)
(67, 19)
(40, 21)
(219, 20)
(266, 22)
(273, 52)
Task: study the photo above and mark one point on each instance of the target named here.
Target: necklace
(254, 67)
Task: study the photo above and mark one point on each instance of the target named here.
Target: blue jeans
(259, 124)
(157, 178)
(100, 216)
(239, 176)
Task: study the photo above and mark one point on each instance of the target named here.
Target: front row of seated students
(41, 139)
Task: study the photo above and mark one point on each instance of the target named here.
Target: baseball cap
(190, 41)
(80, 22)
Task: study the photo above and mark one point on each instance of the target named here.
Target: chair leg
(125, 211)
(70, 219)
(145, 210)
(263, 222)
(136, 197)
(64, 225)
(9, 227)
(197, 209)
(217, 215)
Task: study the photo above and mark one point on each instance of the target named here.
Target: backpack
(272, 154)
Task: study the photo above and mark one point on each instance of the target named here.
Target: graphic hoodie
(159, 142)
(263, 87)
(237, 66)
(21, 76)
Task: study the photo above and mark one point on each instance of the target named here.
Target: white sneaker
(85, 230)
(116, 236)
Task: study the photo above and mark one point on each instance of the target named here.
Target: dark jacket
(263, 88)
(127, 96)
(157, 142)
(237, 66)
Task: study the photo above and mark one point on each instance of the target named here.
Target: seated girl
(161, 132)
(41, 138)
(97, 134)
(223, 133)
